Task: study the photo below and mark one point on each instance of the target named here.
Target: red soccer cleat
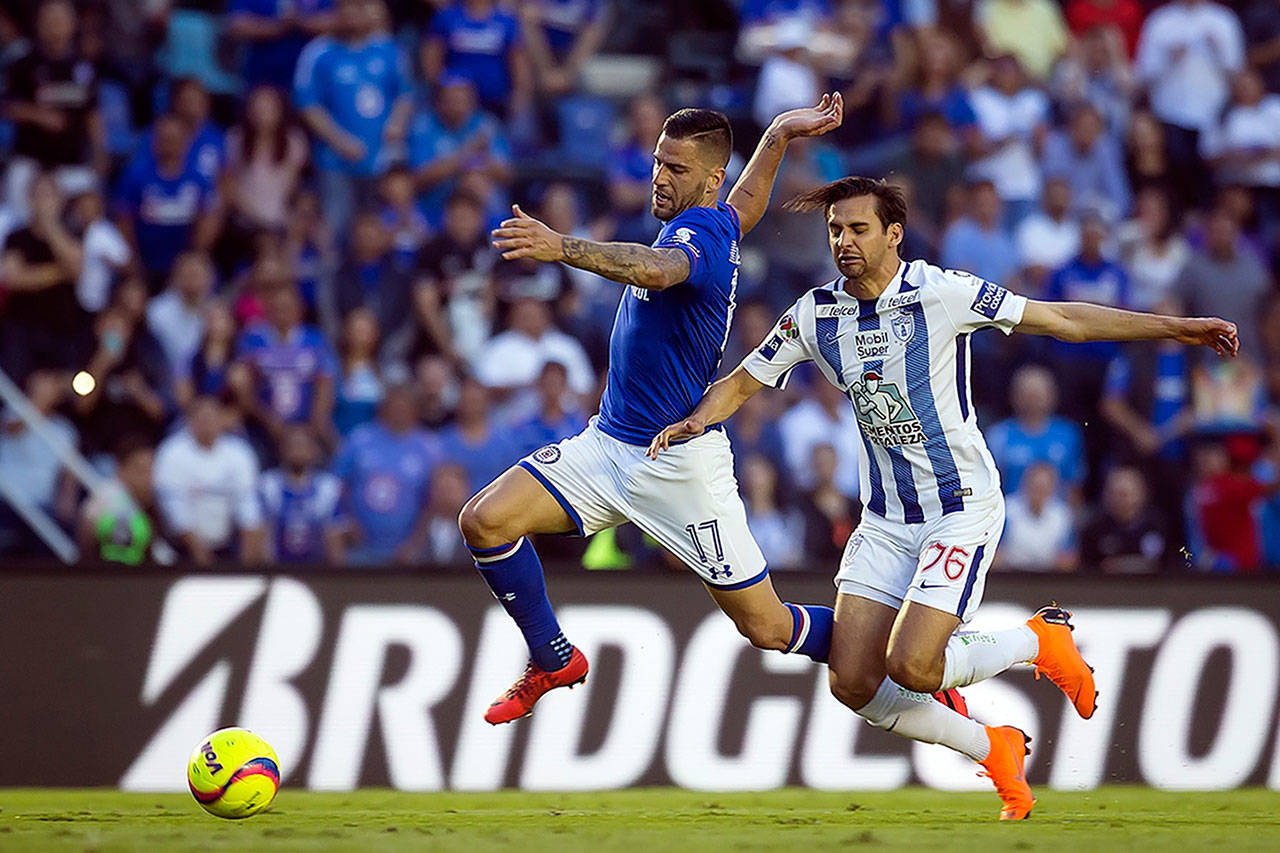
(520, 697)
(953, 700)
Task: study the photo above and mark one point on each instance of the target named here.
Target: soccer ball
(233, 773)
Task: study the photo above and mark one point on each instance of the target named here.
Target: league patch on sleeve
(989, 299)
(771, 347)
(788, 327)
(684, 237)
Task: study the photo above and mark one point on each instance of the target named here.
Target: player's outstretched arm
(1081, 321)
(522, 236)
(750, 195)
(722, 399)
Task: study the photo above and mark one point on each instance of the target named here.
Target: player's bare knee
(852, 689)
(914, 672)
(481, 526)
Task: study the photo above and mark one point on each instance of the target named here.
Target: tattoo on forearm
(626, 263)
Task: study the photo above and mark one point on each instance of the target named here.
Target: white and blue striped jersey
(903, 361)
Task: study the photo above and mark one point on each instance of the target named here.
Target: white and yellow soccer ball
(233, 773)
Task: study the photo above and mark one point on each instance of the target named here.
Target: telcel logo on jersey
(871, 344)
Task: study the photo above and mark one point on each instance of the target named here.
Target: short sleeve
(306, 84)
(692, 235)
(782, 349)
(974, 303)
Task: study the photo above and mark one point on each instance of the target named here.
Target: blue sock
(514, 573)
(811, 631)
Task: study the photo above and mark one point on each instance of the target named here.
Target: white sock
(919, 716)
(974, 657)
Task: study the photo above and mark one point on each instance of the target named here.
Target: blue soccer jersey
(385, 478)
(164, 208)
(298, 513)
(287, 367)
(666, 344)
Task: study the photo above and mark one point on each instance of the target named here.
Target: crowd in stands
(256, 233)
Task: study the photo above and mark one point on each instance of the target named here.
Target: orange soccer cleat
(953, 700)
(520, 697)
(1005, 767)
(1059, 660)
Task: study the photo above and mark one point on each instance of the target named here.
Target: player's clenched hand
(1210, 332)
(812, 121)
(690, 427)
(522, 236)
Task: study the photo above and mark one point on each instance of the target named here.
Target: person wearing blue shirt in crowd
(353, 90)
(478, 40)
(291, 367)
(207, 149)
(631, 171)
(273, 33)
(386, 468)
(555, 419)
(978, 242)
(1034, 434)
(456, 137)
(562, 35)
(300, 504)
(164, 205)
(772, 11)
(473, 440)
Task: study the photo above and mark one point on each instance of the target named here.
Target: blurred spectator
(118, 522)
(753, 431)
(1123, 17)
(937, 89)
(978, 242)
(1225, 280)
(822, 418)
(1244, 145)
(386, 467)
(1090, 160)
(631, 171)
(1125, 536)
(1223, 505)
(105, 251)
(265, 158)
(207, 150)
(205, 479)
(481, 41)
(529, 279)
(273, 33)
(1036, 435)
(934, 165)
(1187, 53)
(1050, 237)
(311, 250)
(776, 529)
(1261, 22)
(360, 384)
(1097, 72)
(763, 22)
(405, 225)
(475, 441)
(131, 374)
(830, 515)
(436, 385)
(1152, 249)
(453, 298)
(176, 316)
(449, 491)
(1013, 117)
(164, 205)
(1147, 160)
(455, 138)
(31, 468)
(370, 277)
(300, 504)
(1031, 30)
(291, 369)
(1039, 532)
(42, 323)
(51, 98)
(562, 35)
(558, 415)
(353, 89)
(513, 359)
(206, 372)
(788, 76)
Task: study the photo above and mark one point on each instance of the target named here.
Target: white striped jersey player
(933, 506)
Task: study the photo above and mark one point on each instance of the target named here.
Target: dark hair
(279, 134)
(891, 202)
(706, 127)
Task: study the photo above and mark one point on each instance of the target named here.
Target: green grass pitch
(1114, 818)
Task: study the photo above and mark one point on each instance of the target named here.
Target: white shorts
(941, 563)
(687, 499)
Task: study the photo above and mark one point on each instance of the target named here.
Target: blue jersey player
(670, 331)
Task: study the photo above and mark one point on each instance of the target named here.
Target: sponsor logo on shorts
(547, 455)
(988, 301)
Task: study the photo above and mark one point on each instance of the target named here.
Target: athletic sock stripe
(484, 556)
(801, 632)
